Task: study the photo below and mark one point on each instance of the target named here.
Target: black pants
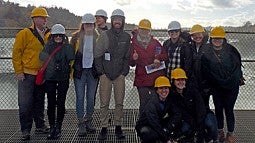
(224, 100)
(56, 94)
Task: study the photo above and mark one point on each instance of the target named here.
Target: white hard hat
(118, 12)
(58, 29)
(174, 25)
(88, 18)
(101, 12)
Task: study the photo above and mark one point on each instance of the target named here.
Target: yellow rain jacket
(26, 49)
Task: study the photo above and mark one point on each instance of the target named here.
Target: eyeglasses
(175, 30)
(58, 35)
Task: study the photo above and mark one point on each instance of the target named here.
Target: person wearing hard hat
(179, 53)
(101, 18)
(187, 97)
(57, 77)
(112, 64)
(29, 42)
(199, 47)
(160, 116)
(221, 67)
(85, 78)
(146, 51)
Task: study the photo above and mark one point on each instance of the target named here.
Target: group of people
(174, 80)
(188, 68)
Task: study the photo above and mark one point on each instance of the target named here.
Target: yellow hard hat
(162, 81)
(197, 29)
(145, 24)
(178, 73)
(218, 32)
(39, 11)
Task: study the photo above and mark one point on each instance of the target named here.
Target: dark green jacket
(118, 46)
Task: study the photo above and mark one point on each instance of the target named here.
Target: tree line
(14, 15)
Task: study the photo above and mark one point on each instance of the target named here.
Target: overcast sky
(162, 12)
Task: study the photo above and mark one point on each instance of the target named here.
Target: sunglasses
(58, 35)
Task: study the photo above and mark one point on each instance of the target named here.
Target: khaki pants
(105, 90)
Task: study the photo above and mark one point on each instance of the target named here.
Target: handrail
(248, 61)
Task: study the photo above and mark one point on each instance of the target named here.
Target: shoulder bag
(40, 75)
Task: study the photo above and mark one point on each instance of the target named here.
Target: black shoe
(25, 137)
(51, 134)
(119, 133)
(57, 133)
(103, 134)
(42, 130)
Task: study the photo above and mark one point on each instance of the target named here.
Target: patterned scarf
(175, 62)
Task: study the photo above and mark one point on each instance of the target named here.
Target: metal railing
(243, 41)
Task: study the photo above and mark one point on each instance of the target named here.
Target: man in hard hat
(85, 80)
(112, 64)
(101, 18)
(146, 51)
(28, 44)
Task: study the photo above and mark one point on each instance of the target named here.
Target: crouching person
(185, 94)
(160, 116)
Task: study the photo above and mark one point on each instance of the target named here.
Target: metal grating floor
(9, 131)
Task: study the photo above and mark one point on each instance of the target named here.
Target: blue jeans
(224, 100)
(211, 127)
(186, 129)
(31, 103)
(87, 81)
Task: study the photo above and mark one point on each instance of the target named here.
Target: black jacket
(59, 66)
(222, 69)
(191, 105)
(185, 54)
(196, 64)
(157, 118)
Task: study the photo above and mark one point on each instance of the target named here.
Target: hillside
(13, 15)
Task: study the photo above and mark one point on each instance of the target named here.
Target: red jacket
(146, 57)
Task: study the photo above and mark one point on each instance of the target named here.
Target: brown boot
(221, 135)
(230, 138)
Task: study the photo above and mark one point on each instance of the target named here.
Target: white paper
(150, 68)
(107, 56)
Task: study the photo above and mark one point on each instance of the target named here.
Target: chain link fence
(243, 41)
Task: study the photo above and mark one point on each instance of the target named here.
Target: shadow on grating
(9, 121)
